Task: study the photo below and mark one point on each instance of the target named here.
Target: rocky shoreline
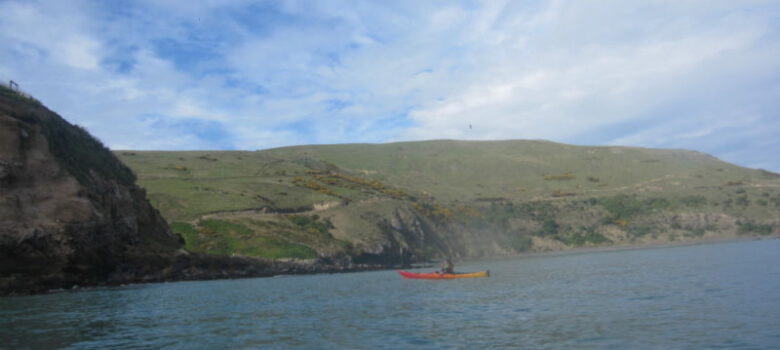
(185, 266)
(182, 266)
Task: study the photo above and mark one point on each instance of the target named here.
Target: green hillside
(462, 170)
(413, 201)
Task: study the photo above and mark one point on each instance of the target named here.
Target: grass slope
(521, 169)
(534, 192)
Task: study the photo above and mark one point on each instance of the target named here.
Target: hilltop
(406, 202)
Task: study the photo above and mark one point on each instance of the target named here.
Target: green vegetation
(520, 242)
(314, 185)
(693, 201)
(73, 147)
(228, 238)
(639, 230)
(549, 228)
(81, 153)
(434, 211)
(620, 208)
(584, 236)
(312, 223)
(18, 96)
(696, 232)
(751, 227)
(186, 231)
(472, 195)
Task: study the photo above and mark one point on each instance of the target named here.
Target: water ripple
(702, 297)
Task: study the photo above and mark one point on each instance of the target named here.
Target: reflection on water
(721, 296)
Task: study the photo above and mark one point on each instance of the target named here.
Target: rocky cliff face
(72, 215)
(70, 212)
(407, 238)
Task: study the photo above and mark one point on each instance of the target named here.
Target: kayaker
(447, 266)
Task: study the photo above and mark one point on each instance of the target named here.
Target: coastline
(195, 267)
(293, 268)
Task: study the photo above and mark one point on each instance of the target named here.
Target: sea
(713, 296)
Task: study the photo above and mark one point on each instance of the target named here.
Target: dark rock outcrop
(70, 212)
(408, 238)
(72, 215)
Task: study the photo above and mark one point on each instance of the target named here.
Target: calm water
(697, 297)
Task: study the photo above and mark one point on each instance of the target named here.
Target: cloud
(55, 39)
(162, 74)
(535, 90)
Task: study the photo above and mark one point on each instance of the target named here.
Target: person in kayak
(447, 267)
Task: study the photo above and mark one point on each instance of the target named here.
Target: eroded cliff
(70, 212)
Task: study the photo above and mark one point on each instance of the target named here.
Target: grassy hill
(417, 200)
(458, 170)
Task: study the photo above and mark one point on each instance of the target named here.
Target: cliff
(70, 213)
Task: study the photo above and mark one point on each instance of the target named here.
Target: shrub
(314, 185)
(549, 228)
(620, 222)
(356, 182)
(520, 242)
(559, 193)
(659, 203)
(312, 223)
(538, 211)
(621, 207)
(187, 232)
(751, 227)
(693, 201)
(696, 232)
(80, 152)
(17, 95)
(221, 226)
(433, 211)
(564, 177)
(640, 231)
(584, 236)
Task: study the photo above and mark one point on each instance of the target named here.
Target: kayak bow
(443, 276)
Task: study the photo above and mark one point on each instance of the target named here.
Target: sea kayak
(443, 276)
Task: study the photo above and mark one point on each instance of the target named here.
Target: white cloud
(177, 75)
(80, 52)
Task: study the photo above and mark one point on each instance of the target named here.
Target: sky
(246, 75)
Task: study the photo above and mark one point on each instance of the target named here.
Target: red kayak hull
(442, 276)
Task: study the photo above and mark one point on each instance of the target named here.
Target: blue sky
(233, 74)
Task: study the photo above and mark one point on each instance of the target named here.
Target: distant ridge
(403, 202)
